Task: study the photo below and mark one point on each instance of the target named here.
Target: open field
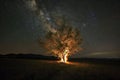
(31, 69)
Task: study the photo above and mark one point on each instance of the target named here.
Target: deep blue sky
(98, 21)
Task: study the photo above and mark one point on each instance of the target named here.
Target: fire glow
(64, 56)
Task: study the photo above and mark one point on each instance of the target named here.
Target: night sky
(98, 21)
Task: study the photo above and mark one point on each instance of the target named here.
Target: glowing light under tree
(62, 43)
(64, 55)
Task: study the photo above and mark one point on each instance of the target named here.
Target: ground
(31, 69)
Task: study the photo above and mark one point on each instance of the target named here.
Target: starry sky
(98, 21)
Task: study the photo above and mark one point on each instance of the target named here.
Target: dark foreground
(29, 69)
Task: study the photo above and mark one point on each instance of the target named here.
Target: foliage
(65, 37)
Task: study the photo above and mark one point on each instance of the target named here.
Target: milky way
(98, 22)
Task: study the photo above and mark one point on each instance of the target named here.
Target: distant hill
(42, 57)
(28, 56)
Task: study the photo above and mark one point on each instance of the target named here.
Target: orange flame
(64, 56)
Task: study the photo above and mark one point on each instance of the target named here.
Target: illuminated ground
(27, 69)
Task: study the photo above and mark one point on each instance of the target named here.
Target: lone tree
(64, 42)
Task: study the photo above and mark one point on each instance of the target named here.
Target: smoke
(39, 9)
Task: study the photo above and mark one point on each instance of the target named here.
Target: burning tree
(61, 39)
(65, 41)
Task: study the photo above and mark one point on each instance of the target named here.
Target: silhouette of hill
(28, 56)
(42, 57)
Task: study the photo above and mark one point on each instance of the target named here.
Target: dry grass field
(31, 69)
